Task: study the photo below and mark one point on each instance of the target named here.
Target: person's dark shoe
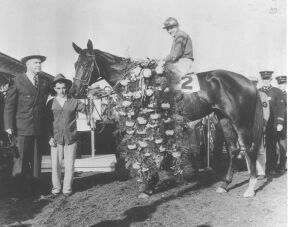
(280, 171)
(273, 172)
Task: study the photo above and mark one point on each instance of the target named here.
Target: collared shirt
(181, 47)
(63, 119)
(30, 77)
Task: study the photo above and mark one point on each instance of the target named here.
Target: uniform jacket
(181, 47)
(277, 104)
(62, 120)
(25, 106)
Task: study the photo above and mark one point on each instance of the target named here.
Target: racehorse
(231, 96)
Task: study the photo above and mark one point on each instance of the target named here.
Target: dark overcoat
(25, 106)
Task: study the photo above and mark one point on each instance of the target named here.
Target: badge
(264, 104)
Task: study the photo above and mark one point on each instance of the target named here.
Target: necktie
(35, 81)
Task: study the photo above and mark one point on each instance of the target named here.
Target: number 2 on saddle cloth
(188, 84)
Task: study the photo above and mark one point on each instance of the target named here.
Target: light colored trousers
(183, 66)
(69, 152)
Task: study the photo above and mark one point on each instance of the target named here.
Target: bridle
(86, 82)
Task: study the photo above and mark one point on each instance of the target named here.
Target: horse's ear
(76, 48)
(90, 46)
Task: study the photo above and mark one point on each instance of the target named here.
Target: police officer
(275, 123)
(181, 54)
(282, 142)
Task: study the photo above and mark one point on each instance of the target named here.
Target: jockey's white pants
(183, 66)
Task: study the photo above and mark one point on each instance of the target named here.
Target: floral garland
(148, 121)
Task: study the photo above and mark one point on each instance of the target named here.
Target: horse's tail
(258, 124)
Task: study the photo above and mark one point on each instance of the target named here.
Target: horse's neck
(114, 68)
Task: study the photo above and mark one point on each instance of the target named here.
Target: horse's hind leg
(231, 140)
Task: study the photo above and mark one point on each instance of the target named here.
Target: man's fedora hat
(32, 55)
(61, 78)
(265, 75)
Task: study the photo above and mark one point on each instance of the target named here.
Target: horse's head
(86, 70)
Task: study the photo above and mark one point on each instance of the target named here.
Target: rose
(126, 103)
(149, 92)
(147, 154)
(176, 154)
(169, 132)
(137, 95)
(159, 140)
(167, 89)
(142, 144)
(132, 146)
(162, 149)
(136, 71)
(141, 132)
(159, 69)
(152, 105)
(168, 120)
(129, 123)
(124, 82)
(141, 120)
(136, 165)
(151, 125)
(147, 73)
(165, 106)
(130, 132)
(122, 113)
(155, 116)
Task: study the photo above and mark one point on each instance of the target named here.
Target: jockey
(181, 54)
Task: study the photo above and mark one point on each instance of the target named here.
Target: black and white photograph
(133, 113)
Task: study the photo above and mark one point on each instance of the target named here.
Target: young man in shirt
(63, 112)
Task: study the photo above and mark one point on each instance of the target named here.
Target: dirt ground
(101, 200)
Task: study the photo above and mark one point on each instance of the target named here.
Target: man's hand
(279, 128)
(52, 142)
(9, 131)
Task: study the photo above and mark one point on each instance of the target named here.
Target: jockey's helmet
(170, 23)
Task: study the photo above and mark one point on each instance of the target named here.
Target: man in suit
(282, 142)
(275, 124)
(24, 116)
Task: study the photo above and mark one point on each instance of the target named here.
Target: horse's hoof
(143, 196)
(249, 194)
(221, 190)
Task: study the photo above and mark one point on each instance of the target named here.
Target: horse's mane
(115, 63)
